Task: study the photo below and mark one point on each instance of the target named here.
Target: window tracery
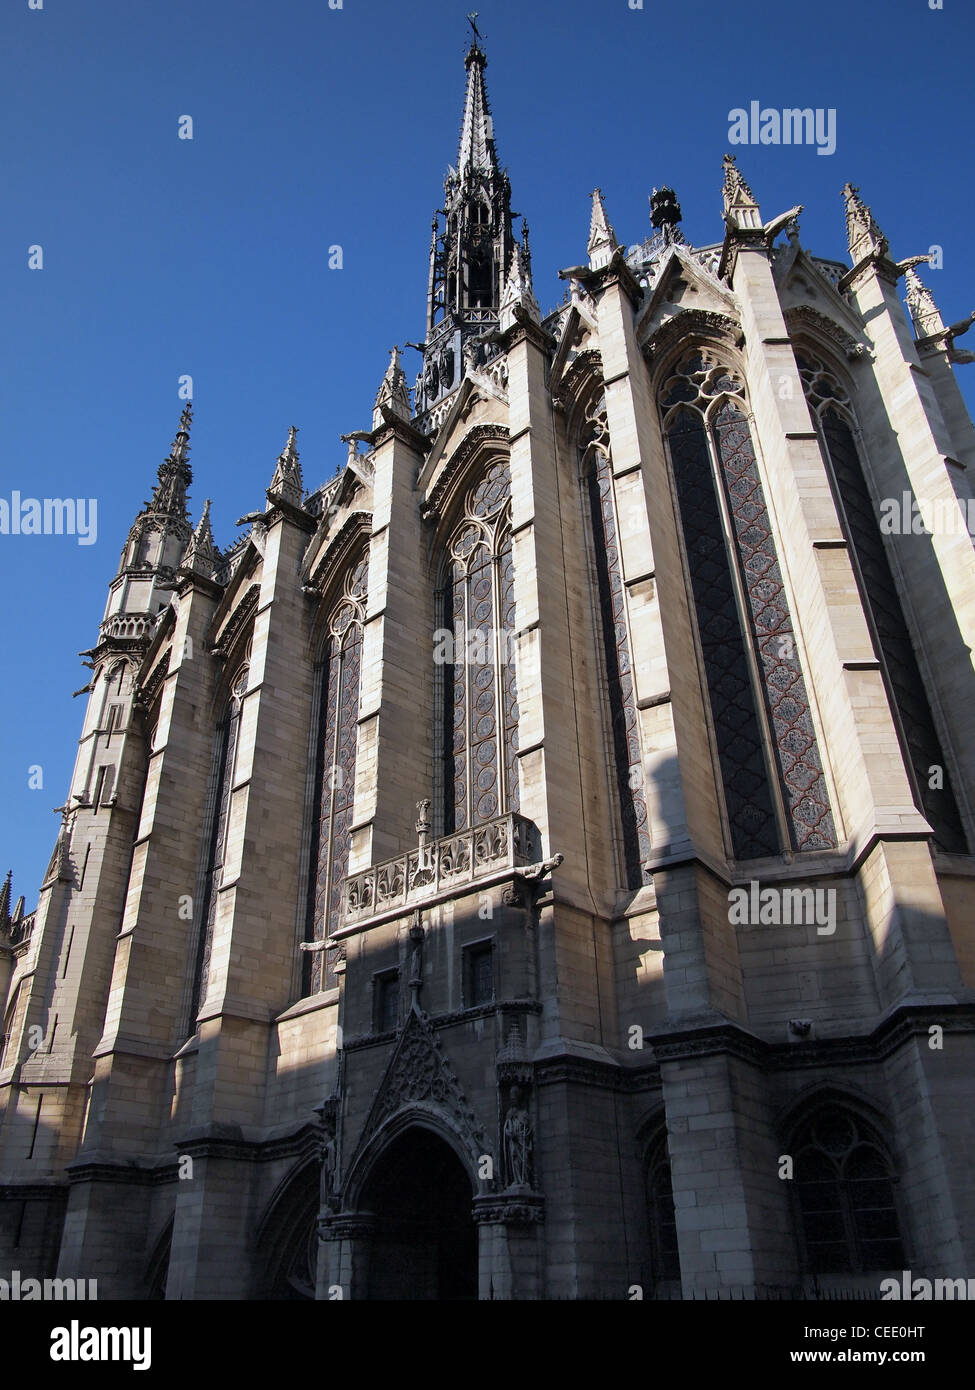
(597, 474)
(716, 471)
(479, 699)
(844, 1194)
(335, 771)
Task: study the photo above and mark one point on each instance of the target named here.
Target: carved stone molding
(236, 621)
(455, 467)
(805, 316)
(691, 323)
(509, 1209)
(578, 379)
(418, 1076)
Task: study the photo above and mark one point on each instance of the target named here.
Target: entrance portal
(425, 1242)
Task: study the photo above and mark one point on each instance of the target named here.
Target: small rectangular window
(478, 974)
(385, 996)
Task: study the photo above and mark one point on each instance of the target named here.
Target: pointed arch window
(844, 1193)
(661, 1214)
(597, 475)
(757, 692)
(832, 414)
(478, 696)
(225, 762)
(335, 771)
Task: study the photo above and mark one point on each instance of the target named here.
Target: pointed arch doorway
(424, 1240)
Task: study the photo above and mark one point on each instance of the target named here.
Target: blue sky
(315, 126)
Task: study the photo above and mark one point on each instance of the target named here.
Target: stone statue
(329, 1158)
(518, 1137)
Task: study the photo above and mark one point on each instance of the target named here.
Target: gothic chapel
(386, 949)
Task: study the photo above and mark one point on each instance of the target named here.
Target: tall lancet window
(830, 407)
(479, 702)
(597, 475)
(224, 764)
(759, 705)
(335, 770)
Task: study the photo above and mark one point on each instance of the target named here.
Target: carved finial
(423, 816)
(201, 555)
(393, 393)
(181, 443)
(517, 295)
(287, 480)
(740, 204)
(923, 310)
(602, 239)
(863, 234)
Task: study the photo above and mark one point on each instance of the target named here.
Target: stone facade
(535, 864)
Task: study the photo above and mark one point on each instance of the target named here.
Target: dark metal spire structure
(471, 248)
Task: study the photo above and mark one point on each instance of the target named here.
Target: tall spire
(175, 474)
(470, 251)
(477, 150)
(863, 233)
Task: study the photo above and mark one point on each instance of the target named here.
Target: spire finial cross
(472, 21)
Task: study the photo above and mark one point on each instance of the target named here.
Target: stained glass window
(845, 1197)
(829, 404)
(479, 700)
(335, 772)
(225, 762)
(715, 468)
(597, 470)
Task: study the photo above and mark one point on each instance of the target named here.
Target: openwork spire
(862, 231)
(477, 152)
(201, 552)
(740, 204)
(602, 238)
(175, 474)
(287, 480)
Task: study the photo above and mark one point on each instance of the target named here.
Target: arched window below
(661, 1215)
(844, 1193)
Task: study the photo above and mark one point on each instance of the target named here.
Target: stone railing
(435, 868)
(21, 932)
(129, 626)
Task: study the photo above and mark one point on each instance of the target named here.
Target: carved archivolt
(692, 323)
(418, 1078)
(447, 485)
(805, 316)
